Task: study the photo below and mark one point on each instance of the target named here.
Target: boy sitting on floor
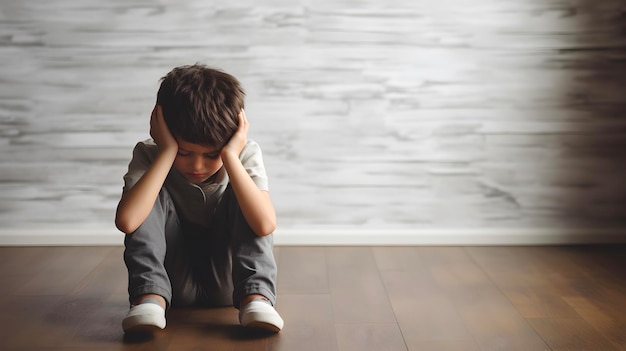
(196, 207)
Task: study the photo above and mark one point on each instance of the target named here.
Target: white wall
(383, 122)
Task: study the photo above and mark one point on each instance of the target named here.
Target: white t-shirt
(195, 203)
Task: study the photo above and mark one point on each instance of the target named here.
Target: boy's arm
(136, 203)
(256, 205)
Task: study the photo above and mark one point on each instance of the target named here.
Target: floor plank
(490, 317)
(303, 270)
(61, 271)
(551, 286)
(370, 336)
(425, 315)
(309, 323)
(532, 284)
(571, 334)
(108, 277)
(357, 291)
(606, 315)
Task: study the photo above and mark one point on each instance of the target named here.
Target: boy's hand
(256, 205)
(138, 201)
(239, 139)
(160, 132)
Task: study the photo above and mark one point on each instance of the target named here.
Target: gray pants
(192, 265)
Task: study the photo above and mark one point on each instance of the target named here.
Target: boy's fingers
(242, 119)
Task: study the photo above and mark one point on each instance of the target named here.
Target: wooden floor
(338, 298)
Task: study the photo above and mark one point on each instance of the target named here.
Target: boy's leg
(149, 286)
(253, 265)
(253, 271)
(241, 266)
(230, 262)
(146, 249)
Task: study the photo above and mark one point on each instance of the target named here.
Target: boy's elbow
(265, 229)
(125, 225)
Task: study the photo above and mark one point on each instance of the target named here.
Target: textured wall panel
(371, 114)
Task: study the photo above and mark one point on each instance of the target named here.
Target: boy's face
(197, 162)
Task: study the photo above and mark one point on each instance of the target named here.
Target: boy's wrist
(168, 152)
(228, 156)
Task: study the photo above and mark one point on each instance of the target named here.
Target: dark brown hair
(201, 105)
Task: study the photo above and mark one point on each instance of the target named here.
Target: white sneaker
(144, 317)
(260, 314)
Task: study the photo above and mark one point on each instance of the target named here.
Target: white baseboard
(451, 237)
(58, 237)
(355, 236)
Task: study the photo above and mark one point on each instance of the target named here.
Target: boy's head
(201, 105)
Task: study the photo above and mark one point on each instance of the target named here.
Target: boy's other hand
(239, 139)
(160, 132)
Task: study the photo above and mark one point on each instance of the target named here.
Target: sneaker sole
(134, 325)
(142, 328)
(263, 326)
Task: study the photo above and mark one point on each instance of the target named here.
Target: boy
(196, 208)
